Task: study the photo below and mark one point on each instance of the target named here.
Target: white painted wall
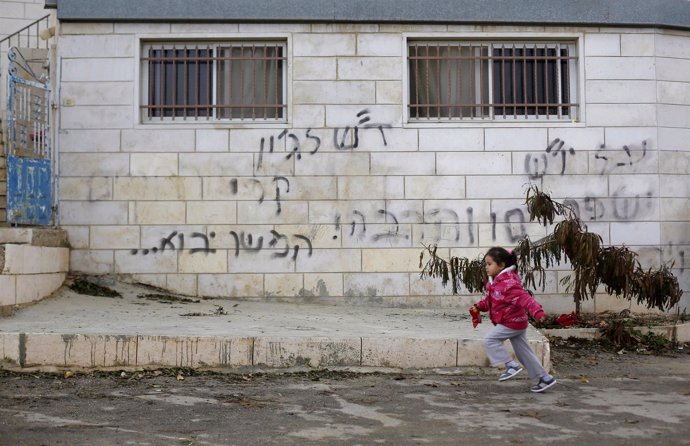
(125, 186)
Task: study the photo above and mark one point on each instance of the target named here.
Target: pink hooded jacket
(507, 301)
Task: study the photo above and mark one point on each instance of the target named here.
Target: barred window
(452, 80)
(214, 81)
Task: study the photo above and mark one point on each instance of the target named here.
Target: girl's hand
(476, 316)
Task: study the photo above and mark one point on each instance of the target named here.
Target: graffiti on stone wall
(169, 243)
(618, 207)
(455, 226)
(280, 185)
(279, 243)
(557, 152)
(554, 159)
(438, 225)
(613, 159)
(345, 138)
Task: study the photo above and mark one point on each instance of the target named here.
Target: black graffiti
(261, 149)
(358, 226)
(558, 145)
(339, 142)
(438, 218)
(362, 223)
(281, 238)
(205, 249)
(317, 142)
(296, 247)
(337, 226)
(389, 234)
(628, 208)
(277, 180)
(258, 185)
(246, 242)
(470, 218)
(522, 231)
(167, 243)
(595, 208)
(617, 207)
(295, 148)
(346, 138)
(512, 218)
(438, 221)
(419, 218)
(536, 166)
(612, 159)
(254, 183)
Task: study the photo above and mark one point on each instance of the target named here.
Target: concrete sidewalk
(73, 330)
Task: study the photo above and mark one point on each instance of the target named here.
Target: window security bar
(229, 80)
(490, 81)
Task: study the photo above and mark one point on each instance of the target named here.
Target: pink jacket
(507, 301)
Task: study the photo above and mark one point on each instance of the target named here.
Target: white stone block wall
(199, 209)
(672, 59)
(30, 273)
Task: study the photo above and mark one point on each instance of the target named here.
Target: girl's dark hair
(502, 255)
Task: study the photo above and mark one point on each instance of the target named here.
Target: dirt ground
(574, 358)
(603, 397)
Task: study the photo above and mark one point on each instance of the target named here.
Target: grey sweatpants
(498, 355)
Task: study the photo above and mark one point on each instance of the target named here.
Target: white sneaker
(509, 372)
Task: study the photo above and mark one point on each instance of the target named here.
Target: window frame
(144, 41)
(576, 74)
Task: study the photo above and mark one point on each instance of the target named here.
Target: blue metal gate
(29, 161)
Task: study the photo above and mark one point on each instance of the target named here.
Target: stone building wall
(199, 208)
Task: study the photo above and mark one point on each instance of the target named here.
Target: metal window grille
(450, 80)
(218, 81)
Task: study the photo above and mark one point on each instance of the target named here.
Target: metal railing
(28, 37)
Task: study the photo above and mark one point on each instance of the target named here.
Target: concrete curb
(677, 332)
(565, 333)
(104, 351)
